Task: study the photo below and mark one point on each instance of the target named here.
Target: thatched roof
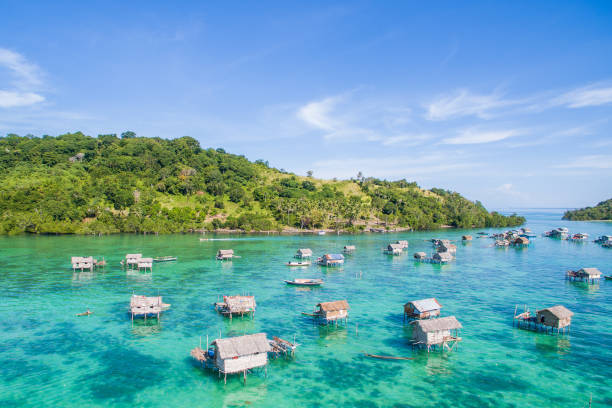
(225, 252)
(242, 346)
(561, 312)
(239, 303)
(304, 251)
(590, 272)
(334, 306)
(394, 247)
(145, 304)
(521, 240)
(442, 323)
(425, 305)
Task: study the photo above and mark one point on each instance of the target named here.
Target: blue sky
(509, 103)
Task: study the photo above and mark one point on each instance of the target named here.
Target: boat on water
(321, 232)
(305, 282)
(608, 277)
(581, 236)
(165, 259)
(298, 263)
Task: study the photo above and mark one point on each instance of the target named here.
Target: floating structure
(579, 237)
(303, 253)
(422, 309)
(466, 238)
(589, 275)
(131, 260)
(403, 244)
(237, 305)
(299, 263)
(349, 249)
(331, 260)
(147, 306)
(165, 259)
(447, 247)
(502, 243)
(225, 255)
(520, 242)
(144, 264)
(331, 312)
(420, 256)
(442, 332)
(235, 355)
(82, 263)
(556, 317)
(604, 239)
(560, 232)
(442, 257)
(305, 282)
(393, 249)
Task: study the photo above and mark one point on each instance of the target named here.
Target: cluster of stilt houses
(244, 354)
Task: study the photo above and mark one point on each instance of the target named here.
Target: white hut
(442, 257)
(442, 331)
(303, 253)
(403, 244)
(239, 354)
(225, 254)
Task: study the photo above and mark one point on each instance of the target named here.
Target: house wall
(235, 365)
(437, 336)
(551, 320)
(336, 314)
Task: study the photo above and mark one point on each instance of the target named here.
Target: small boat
(165, 259)
(305, 282)
(608, 277)
(482, 233)
(321, 232)
(87, 313)
(297, 263)
(387, 357)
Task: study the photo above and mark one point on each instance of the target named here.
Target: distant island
(78, 184)
(602, 211)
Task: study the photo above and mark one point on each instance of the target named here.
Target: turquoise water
(48, 356)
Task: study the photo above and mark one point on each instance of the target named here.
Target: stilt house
(443, 332)
(332, 311)
(557, 317)
(237, 305)
(225, 254)
(303, 253)
(422, 309)
(239, 354)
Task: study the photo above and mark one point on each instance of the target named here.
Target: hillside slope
(75, 183)
(602, 211)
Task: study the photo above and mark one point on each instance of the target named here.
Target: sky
(509, 103)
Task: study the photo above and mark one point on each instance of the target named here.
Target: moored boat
(165, 259)
(297, 263)
(305, 282)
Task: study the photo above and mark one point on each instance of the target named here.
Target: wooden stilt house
(590, 275)
(442, 257)
(422, 309)
(131, 260)
(303, 253)
(403, 244)
(225, 254)
(237, 305)
(144, 264)
(331, 260)
(420, 256)
(556, 317)
(349, 249)
(442, 332)
(235, 355)
(393, 249)
(329, 312)
(147, 306)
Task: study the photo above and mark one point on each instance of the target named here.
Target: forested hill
(75, 183)
(602, 211)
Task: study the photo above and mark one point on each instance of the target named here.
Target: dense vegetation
(602, 211)
(80, 184)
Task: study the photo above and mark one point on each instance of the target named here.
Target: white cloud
(595, 161)
(465, 103)
(347, 117)
(26, 81)
(587, 96)
(508, 189)
(474, 136)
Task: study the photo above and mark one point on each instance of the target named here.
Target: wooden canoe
(387, 357)
(305, 282)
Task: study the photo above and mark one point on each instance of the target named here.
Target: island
(79, 184)
(601, 212)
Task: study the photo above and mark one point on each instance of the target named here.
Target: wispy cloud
(465, 103)
(594, 95)
(508, 189)
(475, 136)
(345, 116)
(595, 161)
(25, 81)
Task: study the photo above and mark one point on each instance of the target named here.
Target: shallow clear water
(48, 356)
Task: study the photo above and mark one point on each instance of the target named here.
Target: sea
(50, 357)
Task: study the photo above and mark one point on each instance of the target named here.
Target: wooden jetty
(588, 275)
(330, 312)
(303, 253)
(556, 317)
(283, 347)
(143, 306)
(237, 305)
(442, 332)
(422, 309)
(235, 355)
(225, 255)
